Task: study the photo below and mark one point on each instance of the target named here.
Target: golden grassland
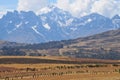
(110, 70)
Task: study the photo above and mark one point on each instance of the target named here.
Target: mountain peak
(44, 10)
(96, 15)
(54, 10)
(116, 17)
(48, 9)
(51, 25)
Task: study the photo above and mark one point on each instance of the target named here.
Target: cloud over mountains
(82, 7)
(75, 7)
(34, 5)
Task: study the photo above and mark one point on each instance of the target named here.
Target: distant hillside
(103, 39)
(106, 39)
(101, 46)
(10, 44)
(1, 42)
(5, 43)
(105, 45)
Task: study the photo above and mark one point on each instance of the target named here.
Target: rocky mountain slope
(52, 24)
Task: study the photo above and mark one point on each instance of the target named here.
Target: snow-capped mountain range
(52, 24)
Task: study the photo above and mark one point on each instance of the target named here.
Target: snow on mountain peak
(44, 10)
(26, 22)
(10, 22)
(89, 20)
(67, 22)
(18, 25)
(34, 29)
(52, 21)
(47, 26)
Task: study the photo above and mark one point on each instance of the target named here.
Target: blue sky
(9, 4)
(77, 8)
(12, 4)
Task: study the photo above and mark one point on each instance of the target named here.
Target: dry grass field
(57, 68)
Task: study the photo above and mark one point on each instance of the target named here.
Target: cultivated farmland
(58, 68)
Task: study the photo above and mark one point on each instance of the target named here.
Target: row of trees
(7, 51)
(94, 53)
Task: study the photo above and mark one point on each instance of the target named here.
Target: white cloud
(34, 5)
(75, 7)
(106, 7)
(83, 7)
